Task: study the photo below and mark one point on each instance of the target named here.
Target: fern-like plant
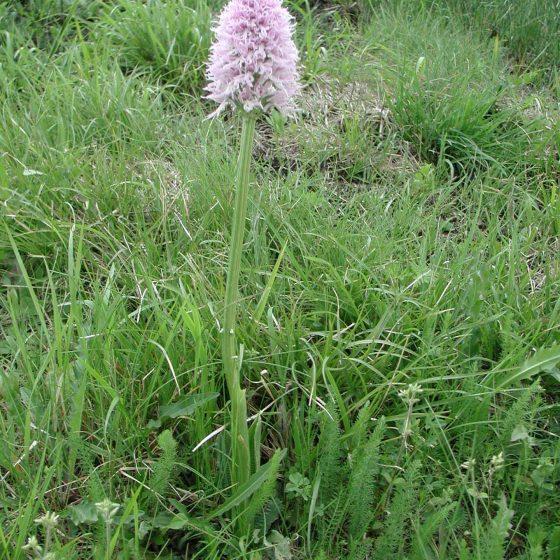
(361, 493)
(164, 466)
(390, 543)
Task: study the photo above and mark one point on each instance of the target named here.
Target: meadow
(400, 286)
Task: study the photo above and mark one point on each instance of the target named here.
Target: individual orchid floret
(253, 61)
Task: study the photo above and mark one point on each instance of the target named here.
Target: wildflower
(409, 394)
(107, 509)
(252, 67)
(497, 462)
(33, 546)
(49, 520)
(253, 61)
(469, 465)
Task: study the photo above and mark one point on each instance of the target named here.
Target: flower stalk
(241, 458)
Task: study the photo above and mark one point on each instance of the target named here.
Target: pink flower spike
(253, 61)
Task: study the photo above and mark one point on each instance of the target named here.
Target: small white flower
(33, 545)
(497, 462)
(107, 509)
(469, 465)
(409, 394)
(49, 520)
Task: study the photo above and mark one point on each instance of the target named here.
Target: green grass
(404, 230)
(530, 31)
(167, 41)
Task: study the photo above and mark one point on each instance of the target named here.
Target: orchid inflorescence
(253, 62)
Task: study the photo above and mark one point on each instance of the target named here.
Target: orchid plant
(252, 70)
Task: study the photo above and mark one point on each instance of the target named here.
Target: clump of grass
(50, 24)
(165, 40)
(449, 92)
(529, 30)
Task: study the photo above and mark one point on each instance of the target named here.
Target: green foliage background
(401, 266)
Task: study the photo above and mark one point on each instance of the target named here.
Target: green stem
(48, 540)
(108, 540)
(241, 462)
